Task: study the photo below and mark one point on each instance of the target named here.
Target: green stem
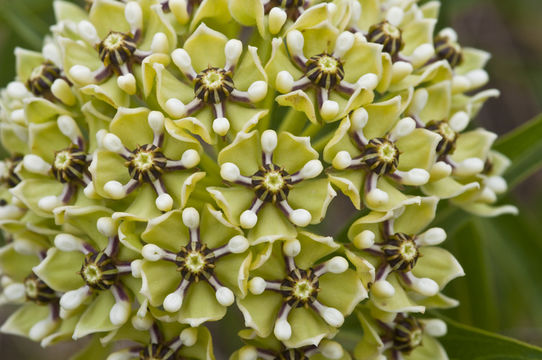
(321, 143)
(293, 122)
(311, 130)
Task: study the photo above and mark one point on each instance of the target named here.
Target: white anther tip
(382, 289)
(441, 170)
(291, 247)
(344, 43)
(295, 42)
(425, 286)
(248, 352)
(164, 202)
(401, 69)
(135, 267)
(112, 143)
(81, 74)
(257, 91)
(337, 265)
(190, 158)
(368, 81)
(364, 239)
(477, 78)
(416, 177)
(277, 18)
(190, 218)
(142, 323)
(49, 203)
(469, 167)
(90, 191)
(230, 172)
(449, 33)
(282, 330)
(175, 108)
(459, 121)
(114, 189)
(248, 219)
(41, 329)
(67, 126)
(435, 327)
(173, 302)
(256, 285)
(107, 226)
(127, 83)
(133, 14)
(395, 16)
(333, 317)
(72, 299)
(284, 82)
(224, 296)
(342, 160)
(17, 90)
(181, 58)
(497, 184)
(311, 169)
(329, 109)
(221, 126)
(433, 236)
(156, 121)
(189, 336)
(331, 349)
(377, 197)
(88, 32)
(36, 164)
(120, 313)
(152, 252)
(160, 43)
(300, 217)
(359, 119)
(67, 242)
(404, 127)
(233, 50)
(269, 141)
(14, 291)
(238, 244)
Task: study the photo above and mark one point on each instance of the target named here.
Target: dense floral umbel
(170, 161)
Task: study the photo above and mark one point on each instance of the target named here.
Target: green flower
(338, 70)
(56, 172)
(107, 48)
(366, 153)
(206, 259)
(405, 259)
(10, 208)
(91, 269)
(297, 296)
(140, 152)
(272, 191)
(400, 336)
(217, 86)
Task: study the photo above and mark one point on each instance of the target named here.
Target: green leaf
(523, 146)
(463, 342)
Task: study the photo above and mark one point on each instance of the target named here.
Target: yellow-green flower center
(99, 271)
(407, 335)
(324, 70)
(381, 156)
(146, 163)
(213, 85)
(388, 35)
(37, 291)
(401, 252)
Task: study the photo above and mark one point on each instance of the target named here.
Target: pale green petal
(167, 231)
(361, 59)
(245, 152)
(83, 220)
(437, 264)
(260, 311)
(60, 270)
(308, 328)
(26, 61)
(200, 305)
(382, 117)
(418, 150)
(107, 166)
(132, 127)
(272, 225)
(249, 70)
(233, 201)
(96, 316)
(430, 349)
(475, 143)
(38, 110)
(289, 144)
(439, 102)
(30, 192)
(214, 10)
(16, 266)
(206, 48)
(313, 196)
(67, 11)
(400, 302)
(46, 139)
(314, 247)
(108, 92)
(448, 188)
(350, 182)
(299, 101)
(202, 349)
(155, 285)
(215, 230)
(341, 291)
(340, 141)
(416, 217)
(108, 15)
(22, 320)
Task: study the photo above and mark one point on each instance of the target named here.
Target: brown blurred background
(509, 29)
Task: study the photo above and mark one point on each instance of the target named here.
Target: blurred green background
(502, 291)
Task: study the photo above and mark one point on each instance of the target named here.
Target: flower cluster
(170, 160)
